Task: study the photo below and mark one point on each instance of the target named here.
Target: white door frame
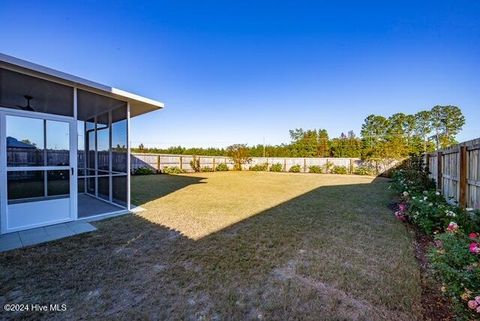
(73, 215)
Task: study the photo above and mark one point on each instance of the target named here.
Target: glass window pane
(58, 143)
(58, 183)
(25, 186)
(25, 141)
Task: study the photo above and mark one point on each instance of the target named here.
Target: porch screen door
(39, 176)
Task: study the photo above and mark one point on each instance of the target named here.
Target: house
(64, 146)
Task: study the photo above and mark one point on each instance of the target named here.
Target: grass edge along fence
(156, 163)
(456, 171)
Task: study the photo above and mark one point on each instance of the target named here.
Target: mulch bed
(436, 307)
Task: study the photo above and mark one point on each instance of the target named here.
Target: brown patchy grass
(230, 246)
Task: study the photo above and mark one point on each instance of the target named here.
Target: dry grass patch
(238, 246)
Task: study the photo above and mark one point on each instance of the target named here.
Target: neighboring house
(64, 146)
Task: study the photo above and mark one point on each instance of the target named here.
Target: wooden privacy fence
(157, 162)
(456, 171)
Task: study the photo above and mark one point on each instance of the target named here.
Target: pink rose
(472, 304)
(473, 235)
(475, 249)
(452, 227)
(477, 299)
(402, 207)
(478, 309)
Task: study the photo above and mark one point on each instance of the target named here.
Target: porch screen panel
(90, 154)
(119, 156)
(81, 157)
(103, 156)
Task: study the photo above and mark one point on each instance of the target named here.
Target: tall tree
(304, 143)
(446, 121)
(374, 131)
(323, 143)
(423, 128)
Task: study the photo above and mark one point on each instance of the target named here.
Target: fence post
(181, 162)
(158, 164)
(304, 165)
(284, 164)
(427, 163)
(439, 171)
(213, 164)
(351, 166)
(463, 177)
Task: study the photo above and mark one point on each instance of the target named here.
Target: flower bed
(455, 255)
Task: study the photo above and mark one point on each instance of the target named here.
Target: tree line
(397, 136)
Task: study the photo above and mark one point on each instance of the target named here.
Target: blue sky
(235, 72)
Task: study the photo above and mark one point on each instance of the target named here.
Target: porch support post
(96, 155)
(3, 176)
(74, 157)
(110, 161)
(128, 157)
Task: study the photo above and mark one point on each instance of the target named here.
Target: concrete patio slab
(34, 236)
(80, 227)
(59, 231)
(9, 242)
(40, 235)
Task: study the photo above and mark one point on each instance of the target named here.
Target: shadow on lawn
(164, 185)
(308, 258)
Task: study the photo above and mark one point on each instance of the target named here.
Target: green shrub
(222, 167)
(455, 259)
(328, 167)
(172, 170)
(364, 170)
(195, 164)
(259, 167)
(207, 169)
(143, 171)
(315, 169)
(295, 169)
(413, 180)
(276, 167)
(339, 170)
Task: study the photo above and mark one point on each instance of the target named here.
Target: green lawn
(231, 246)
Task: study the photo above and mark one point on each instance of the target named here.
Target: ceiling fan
(27, 107)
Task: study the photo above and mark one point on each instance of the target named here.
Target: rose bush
(455, 256)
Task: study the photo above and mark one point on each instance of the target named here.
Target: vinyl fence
(157, 162)
(456, 171)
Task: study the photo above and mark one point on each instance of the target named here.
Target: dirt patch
(436, 307)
